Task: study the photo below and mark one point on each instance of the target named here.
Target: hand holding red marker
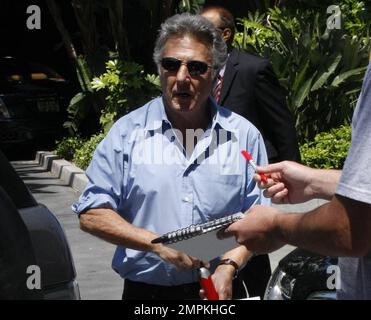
(253, 164)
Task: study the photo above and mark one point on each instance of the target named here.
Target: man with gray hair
(150, 176)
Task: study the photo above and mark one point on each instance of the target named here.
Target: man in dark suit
(248, 86)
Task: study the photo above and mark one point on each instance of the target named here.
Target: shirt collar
(156, 115)
(219, 116)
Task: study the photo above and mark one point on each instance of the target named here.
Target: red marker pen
(253, 164)
(207, 284)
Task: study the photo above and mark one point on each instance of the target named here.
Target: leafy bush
(67, 146)
(322, 70)
(84, 154)
(256, 35)
(356, 17)
(121, 88)
(328, 150)
(126, 87)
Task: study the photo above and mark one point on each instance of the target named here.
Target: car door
(16, 254)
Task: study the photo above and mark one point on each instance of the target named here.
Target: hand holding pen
(248, 157)
(291, 182)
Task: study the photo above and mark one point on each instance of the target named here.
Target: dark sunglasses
(195, 67)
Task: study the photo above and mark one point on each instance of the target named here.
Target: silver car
(35, 258)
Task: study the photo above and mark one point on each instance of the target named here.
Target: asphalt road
(93, 256)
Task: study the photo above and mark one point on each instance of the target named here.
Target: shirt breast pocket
(217, 197)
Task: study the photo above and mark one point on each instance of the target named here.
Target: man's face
(183, 92)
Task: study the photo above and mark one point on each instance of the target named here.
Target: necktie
(217, 89)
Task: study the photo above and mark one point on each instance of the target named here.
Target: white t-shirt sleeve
(355, 181)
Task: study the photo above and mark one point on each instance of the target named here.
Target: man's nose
(183, 73)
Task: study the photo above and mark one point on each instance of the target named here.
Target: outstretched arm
(339, 228)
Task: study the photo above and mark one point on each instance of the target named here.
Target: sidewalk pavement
(57, 183)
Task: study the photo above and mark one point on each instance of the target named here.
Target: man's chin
(183, 105)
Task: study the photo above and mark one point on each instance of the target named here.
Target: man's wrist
(316, 184)
(156, 248)
(323, 183)
(229, 264)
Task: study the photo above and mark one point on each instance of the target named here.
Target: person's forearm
(110, 226)
(324, 182)
(338, 228)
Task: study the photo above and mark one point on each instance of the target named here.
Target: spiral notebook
(200, 240)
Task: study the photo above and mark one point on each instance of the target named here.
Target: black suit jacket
(251, 89)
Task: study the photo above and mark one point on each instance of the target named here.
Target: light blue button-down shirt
(142, 171)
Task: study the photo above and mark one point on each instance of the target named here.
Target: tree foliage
(322, 70)
(126, 87)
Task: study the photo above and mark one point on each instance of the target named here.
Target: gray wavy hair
(193, 25)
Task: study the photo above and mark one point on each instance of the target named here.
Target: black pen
(161, 239)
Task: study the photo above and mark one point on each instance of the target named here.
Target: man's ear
(226, 34)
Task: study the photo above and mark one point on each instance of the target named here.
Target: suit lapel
(229, 74)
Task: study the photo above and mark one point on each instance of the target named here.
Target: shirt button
(187, 199)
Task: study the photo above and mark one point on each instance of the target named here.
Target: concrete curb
(64, 170)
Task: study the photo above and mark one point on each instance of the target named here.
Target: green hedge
(78, 150)
(84, 154)
(328, 150)
(67, 147)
